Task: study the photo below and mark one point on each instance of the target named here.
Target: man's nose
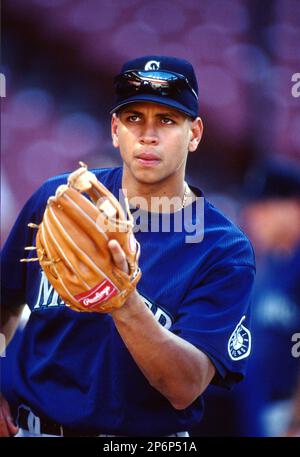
(149, 134)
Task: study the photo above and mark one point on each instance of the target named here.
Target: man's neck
(167, 195)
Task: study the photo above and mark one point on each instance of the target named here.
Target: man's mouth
(148, 158)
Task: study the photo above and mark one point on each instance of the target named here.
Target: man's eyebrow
(160, 114)
(168, 114)
(132, 111)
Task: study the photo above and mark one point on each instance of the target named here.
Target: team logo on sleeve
(239, 344)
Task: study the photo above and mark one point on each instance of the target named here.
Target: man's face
(154, 140)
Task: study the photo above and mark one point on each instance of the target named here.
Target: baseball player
(141, 369)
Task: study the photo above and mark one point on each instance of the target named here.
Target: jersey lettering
(48, 297)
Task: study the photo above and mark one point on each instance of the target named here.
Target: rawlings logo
(98, 294)
(98, 297)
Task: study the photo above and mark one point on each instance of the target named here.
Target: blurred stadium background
(59, 58)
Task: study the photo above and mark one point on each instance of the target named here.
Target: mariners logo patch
(239, 344)
(152, 65)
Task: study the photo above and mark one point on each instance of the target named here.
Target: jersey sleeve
(13, 272)
(215, 317)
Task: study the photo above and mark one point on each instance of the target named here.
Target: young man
(141, 370)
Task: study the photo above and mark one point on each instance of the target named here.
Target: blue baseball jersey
(74, 368)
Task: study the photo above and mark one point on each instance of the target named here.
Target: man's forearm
(173, 366)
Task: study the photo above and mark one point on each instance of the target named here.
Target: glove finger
(118, 256)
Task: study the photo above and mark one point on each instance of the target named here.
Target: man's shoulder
(216, 221)
(225, 233)
(108, 176)
(216, 217)
(105, 175)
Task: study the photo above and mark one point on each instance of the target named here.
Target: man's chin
(146, 175)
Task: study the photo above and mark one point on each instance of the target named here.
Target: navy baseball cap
(159, 79)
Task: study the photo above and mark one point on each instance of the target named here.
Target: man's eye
(167, 120)
(133, 118)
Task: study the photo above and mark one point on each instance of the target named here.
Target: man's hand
(118, 255)
(7, 427)
(133, 303)
(88, 282)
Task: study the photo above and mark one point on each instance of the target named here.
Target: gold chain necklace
(186, 193)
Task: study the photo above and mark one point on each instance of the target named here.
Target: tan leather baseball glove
(72, 245)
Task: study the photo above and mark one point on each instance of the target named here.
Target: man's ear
(195, 134)
(114, 130)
